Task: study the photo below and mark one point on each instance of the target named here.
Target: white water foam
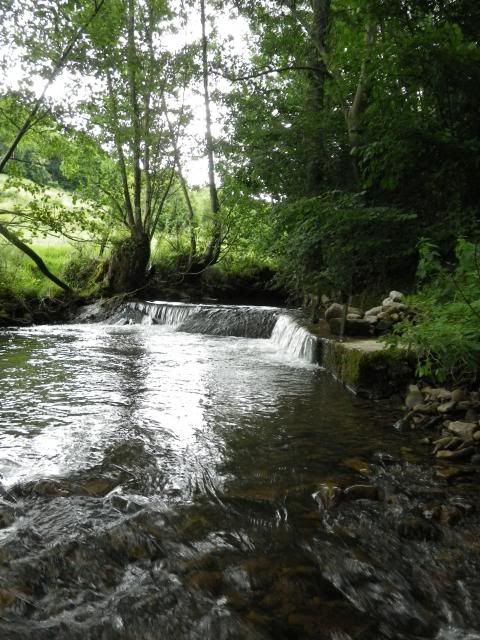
(281, 327)
(295, 339)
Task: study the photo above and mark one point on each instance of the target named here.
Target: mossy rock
(372, 374)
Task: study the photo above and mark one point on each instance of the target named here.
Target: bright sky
(195, 167)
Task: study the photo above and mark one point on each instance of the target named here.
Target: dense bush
(335, 241)
(81, 271)
(446, 333)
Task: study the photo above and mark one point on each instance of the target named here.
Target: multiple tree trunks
(128, 264)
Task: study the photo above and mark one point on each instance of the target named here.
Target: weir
(281, 326)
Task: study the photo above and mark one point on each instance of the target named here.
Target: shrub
(81, 270)
(336, 241)
(446, 333)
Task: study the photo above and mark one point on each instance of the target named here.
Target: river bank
(25, 312)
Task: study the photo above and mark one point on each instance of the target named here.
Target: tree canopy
(336, 119)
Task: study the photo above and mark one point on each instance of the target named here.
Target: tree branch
(53, 75)
(264, 72)
(34, 256)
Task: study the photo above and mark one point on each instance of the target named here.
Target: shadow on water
(167, 485)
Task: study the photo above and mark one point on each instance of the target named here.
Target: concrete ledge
(366, 367)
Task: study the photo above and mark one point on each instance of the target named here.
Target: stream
(161, 483)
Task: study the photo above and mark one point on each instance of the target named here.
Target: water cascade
(295, 339)
(282, 327)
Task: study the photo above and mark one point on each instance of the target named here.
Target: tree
(127, 109)
(72, 35)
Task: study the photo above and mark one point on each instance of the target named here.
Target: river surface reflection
(158, 484)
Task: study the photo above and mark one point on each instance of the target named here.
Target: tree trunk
(128, 264)
(316, 99)
(360, 101)
(11, 237)
(212, 252)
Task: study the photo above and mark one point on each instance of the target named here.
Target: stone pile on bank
(454, 418)
(376, 321)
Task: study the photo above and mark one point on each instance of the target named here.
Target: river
(159, 484)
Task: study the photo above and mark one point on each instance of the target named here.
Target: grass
(19, 276)
(17, 197)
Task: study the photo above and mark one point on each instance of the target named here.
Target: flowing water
(159, 483)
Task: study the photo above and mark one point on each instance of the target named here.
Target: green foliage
(34, 210)
(337, 242)
(445, 336)
(81, 271)
(20, 278)
(38, 157)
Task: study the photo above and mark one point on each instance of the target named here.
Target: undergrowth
(445, 334)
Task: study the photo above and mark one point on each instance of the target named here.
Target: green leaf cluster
(445, 335)
(337, 242)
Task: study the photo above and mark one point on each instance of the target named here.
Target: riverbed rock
(447, 407)
(361, 492)
(335, 310)
(471, 415)
(464, 430)
(444, 443)
(459, 395)
(450, 514)
(374, 311)
(328, 496)
(394, 307)
(451, 472)
(417, 528)
(425, 408)
(396, 296)
(414, 396)
(440, 394)
(357, 327)
(459, 454)
(7, 514)
(359, 466)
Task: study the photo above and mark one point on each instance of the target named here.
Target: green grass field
(19, 276)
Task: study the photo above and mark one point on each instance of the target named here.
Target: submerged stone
(361, 492)
(458, 454)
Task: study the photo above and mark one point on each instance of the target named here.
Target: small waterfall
(295, 339)
(216, 320)
(170, 313)
(280, 326)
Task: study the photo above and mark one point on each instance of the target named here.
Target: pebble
(471, 415)
(358, 465)
(425, 408)
(450, 473)
(361, 492)
(438, 394)
(416, 528)
(458, 395)
(7, 514)
(328, 496)
(458, 454)
(464, 430)
(414, 396)
(446, 407)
